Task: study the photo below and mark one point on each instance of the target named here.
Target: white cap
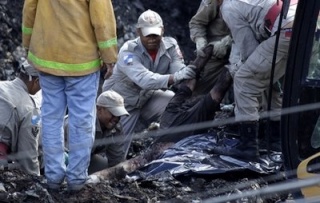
(113, 102)
(150, 22)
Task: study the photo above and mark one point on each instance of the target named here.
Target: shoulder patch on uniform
(128, 59)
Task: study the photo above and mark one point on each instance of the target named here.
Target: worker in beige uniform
(19, 121)
(108, 149)
(254, 25)
(147, 66)
(207, 27)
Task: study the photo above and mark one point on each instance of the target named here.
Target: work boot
(272, 138)
(202, 59)
(247, 148)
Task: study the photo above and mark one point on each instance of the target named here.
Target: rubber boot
(247, 148)
(271, 139)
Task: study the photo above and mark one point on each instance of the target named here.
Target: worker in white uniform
(19, 121)
(253, 25)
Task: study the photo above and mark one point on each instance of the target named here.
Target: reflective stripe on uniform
(107, 44)
(64, 66)
(26, 30)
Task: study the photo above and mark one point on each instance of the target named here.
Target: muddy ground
(16, 186)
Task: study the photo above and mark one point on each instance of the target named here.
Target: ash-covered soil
(16, 186)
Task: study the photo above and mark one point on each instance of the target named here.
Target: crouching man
(19, 121)
(108, 149)
(183, 109)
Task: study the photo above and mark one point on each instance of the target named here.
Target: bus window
(314, 67)
(315, 138)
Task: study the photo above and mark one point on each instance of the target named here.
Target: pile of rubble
(10, 37)
(127, 13)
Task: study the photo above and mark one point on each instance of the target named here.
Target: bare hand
(107, 68)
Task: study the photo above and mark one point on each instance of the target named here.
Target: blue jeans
(78, 94)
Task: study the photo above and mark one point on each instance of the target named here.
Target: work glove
(221, 47)
(200, 42)
(185, 73)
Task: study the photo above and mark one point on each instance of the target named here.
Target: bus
(300, 121)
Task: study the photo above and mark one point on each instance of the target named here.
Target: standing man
(108, 147)
(19, 120)
(68, 41)
(146, 67)
(253, 25)
(208, 27)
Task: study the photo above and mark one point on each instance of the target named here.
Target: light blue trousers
(78, 94)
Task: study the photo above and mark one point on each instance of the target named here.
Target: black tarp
(193, 156)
